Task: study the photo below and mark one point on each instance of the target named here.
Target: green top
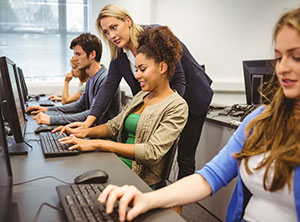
(130, 124)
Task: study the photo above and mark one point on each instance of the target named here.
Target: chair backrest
(168, 164)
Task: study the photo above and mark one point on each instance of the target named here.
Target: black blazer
(189, 80)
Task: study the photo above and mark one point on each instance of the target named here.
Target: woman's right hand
(127, 196)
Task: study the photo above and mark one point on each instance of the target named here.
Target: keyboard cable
(40, 209)
(40, 178)
(45, 203)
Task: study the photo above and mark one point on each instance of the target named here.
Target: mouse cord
(28, 144)
(40, 178)
(33, 139)
(40, 209)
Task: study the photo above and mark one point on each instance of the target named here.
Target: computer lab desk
(31, 195)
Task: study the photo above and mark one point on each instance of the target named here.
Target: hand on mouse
(141, 202)
(36, 109)
(81, 144)
(42, 118)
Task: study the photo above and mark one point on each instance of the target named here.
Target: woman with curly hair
(264, 153)
(120, 32)
(148, 126)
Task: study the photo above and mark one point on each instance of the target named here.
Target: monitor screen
(11, 102)
(5, 176)
(256, 73)
(20, 91)
(23, 84)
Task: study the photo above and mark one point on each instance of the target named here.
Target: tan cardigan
(158, 127)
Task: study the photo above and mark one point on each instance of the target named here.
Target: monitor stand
(14, 213)
(17, 148)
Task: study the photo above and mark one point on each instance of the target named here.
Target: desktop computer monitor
(5, 177)
(10, 102)
(20, 91)
(256, 74)
(23, 84)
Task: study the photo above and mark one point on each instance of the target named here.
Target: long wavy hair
(276, 130)
(120, 13)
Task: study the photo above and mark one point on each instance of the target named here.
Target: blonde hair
(120, 13)
(276, 130)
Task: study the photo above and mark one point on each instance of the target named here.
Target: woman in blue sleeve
(264, 153)
(120, 32)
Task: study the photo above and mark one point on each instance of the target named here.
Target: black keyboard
(46, 103)
(79, 202)
(52, 148)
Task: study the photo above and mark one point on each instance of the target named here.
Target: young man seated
(87, 54)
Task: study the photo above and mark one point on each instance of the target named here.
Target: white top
(264, 205)
(81, 87)
(131, 59)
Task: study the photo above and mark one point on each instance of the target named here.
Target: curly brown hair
(160, 44)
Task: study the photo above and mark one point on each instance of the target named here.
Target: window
(36, 34)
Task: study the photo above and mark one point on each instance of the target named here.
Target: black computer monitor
(256, 73)
(10, 102)
(5, 177)
(20, 90)
(23, 84)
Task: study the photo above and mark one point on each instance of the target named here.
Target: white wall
(220, 34)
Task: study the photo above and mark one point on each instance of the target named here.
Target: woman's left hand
(81, 144)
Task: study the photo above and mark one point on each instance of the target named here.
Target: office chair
(168, 165)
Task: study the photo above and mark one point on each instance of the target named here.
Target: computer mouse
(93, 176)
(43, 129)
(29, 112)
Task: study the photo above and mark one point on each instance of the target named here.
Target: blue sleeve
(108, 91)
(224, 167)
(69, 118)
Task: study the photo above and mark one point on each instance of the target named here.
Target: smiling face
(150, 75)
(287, 53)
(116, 31)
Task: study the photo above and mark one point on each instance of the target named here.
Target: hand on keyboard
(36, 109)
(126, 194)
(81, 144)
(52, 148)
(74, 129)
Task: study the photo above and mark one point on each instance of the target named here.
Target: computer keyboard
(46, 103)
(79, 202)
(52, 148)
